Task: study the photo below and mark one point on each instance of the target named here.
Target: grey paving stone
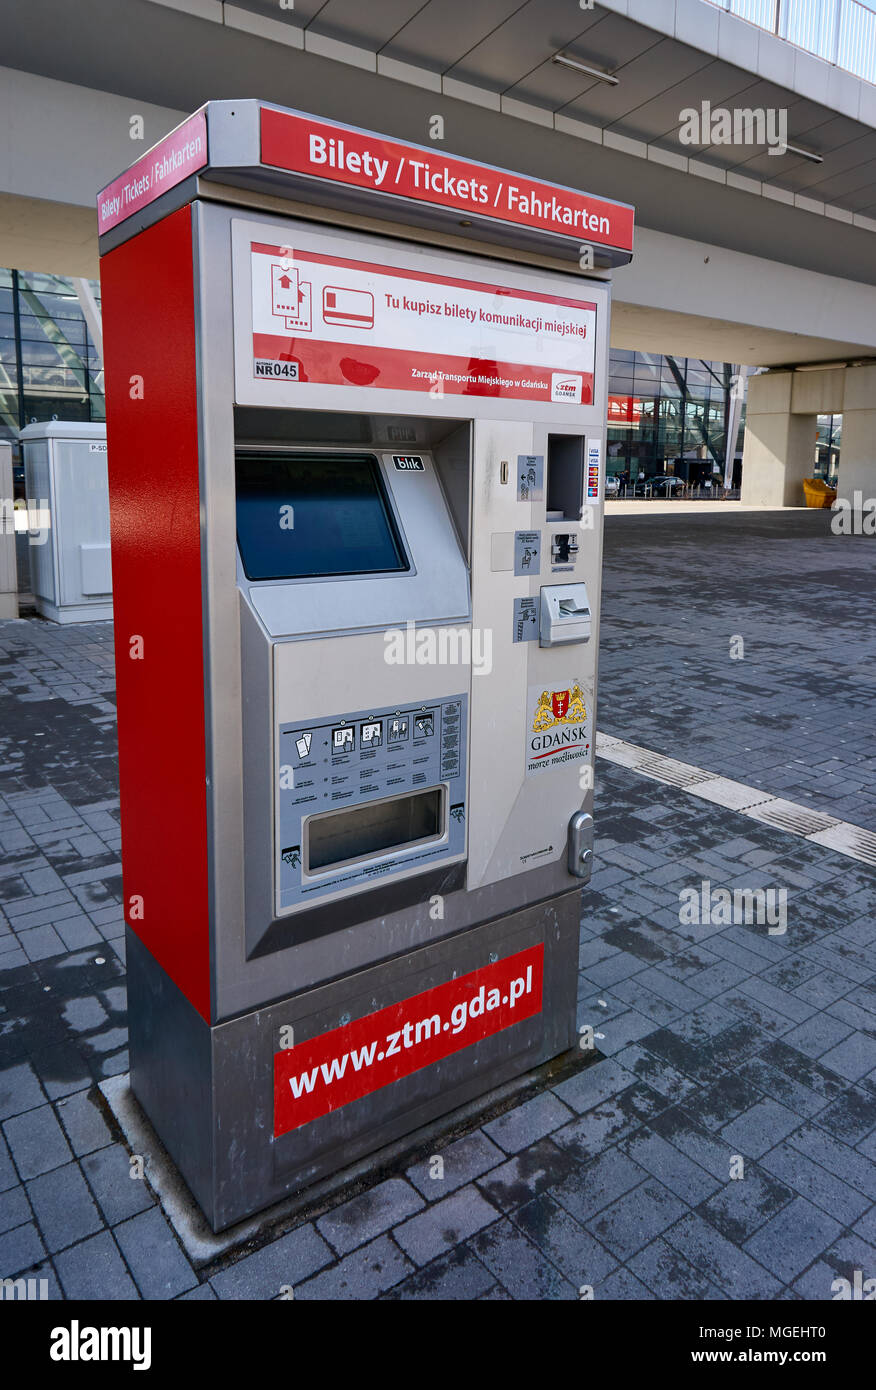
(746, 1203)
(636, 1218)
(63, 1206)
(851, 1117)
(670, 1276)
(201, 1293)
(365, 1274)
(585, 1138)
(820, 1282)
(711, 1153)
(623, 1287)
(20, 1248)
(119, 1196)
(40, 943)
(793, 1239)
(288, 1261)
(462, 1161)
(526, 1174)
(598, 1184)
(716, 1106)
(685, 1178)
(519, 1128)
(730, 1269)
(610, 971)
(94, 1269)
(457, 1275)
(19, 1090)
(846, 1204)
(617, 1033)
(572, 1249)
(783, 1088)
(594, 1084)
(853, 1058)
(444, 1224)
(760, 1127)
(36, 1141)
(83, 1122)
(838, 1158)
(14, 1208)
(682, 1055)
(370, 1214)
(805, 1070)
(158, 1265)
(519, 1265)
(656, 1073)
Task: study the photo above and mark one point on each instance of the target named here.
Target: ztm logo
(566, 388)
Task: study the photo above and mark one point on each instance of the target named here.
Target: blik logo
(566, 388)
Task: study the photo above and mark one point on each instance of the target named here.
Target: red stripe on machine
(327, 1072)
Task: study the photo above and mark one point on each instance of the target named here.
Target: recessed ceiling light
(600, 74)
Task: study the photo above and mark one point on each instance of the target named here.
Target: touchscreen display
(303, 516)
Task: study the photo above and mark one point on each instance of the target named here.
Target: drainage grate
(668, 770)
(787, 815)
(851, 840)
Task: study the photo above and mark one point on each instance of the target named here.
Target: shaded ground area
(724, 1148)
(796, 714)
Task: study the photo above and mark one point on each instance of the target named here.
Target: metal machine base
(209, 1092)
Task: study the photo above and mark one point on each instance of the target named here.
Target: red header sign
(179, 154)
(324, 1073)
(359, 159)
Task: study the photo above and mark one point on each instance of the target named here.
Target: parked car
(663, 483)
(612, 486)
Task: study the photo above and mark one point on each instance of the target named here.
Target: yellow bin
(817, 492)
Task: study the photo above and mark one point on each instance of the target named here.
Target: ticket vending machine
(356, 398)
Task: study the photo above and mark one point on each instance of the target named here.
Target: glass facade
(842, 32)
(828, 442)
(50, 367)
(668, 416)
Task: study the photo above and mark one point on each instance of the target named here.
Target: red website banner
(364, 160)
(327, 1072)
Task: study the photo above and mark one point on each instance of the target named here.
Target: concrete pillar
(779, 449)
(857, 468)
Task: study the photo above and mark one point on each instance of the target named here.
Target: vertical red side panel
(152, 451)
